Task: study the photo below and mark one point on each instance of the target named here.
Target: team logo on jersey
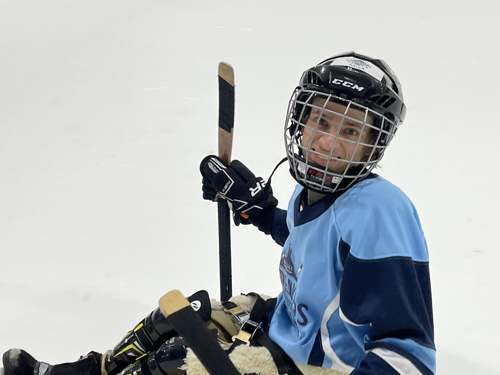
(288, 276)
(287, 264)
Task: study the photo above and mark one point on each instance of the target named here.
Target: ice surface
(106, 109)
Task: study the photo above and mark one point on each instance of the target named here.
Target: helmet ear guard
(355, 82)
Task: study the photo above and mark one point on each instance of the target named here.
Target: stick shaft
(226, 125)
(226, 282)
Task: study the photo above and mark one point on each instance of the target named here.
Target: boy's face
(333, 137)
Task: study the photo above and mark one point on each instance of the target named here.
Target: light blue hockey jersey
(356, 292)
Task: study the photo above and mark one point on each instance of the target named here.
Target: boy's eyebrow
(326, 113)
(352, 122)
(329, 115)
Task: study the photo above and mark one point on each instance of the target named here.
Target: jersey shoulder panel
(378, 220)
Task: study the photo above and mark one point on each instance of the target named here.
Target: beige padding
(253, 359)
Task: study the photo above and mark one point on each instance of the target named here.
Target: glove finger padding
(228, 180)
(246, 193)
(209, 193)
(240, 168)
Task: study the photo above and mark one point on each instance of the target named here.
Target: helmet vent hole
(314, 78)
(384, 101)
(389, 102)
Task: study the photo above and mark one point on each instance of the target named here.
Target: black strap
(262, 309)
(260, 313)
(283, 362)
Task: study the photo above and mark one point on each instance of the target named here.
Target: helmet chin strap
(349, 178)
(268, 183)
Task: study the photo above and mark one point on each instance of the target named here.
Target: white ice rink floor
(107, 108)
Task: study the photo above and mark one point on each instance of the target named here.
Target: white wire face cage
(333, 142)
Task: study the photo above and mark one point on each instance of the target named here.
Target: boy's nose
(327, 142)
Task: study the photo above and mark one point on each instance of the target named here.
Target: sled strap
(252, 333)
(262, 309)
(238, 316)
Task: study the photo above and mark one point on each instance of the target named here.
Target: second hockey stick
(190, 326)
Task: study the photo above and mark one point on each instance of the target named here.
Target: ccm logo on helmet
(350, 85)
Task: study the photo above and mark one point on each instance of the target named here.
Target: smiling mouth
(326, 158)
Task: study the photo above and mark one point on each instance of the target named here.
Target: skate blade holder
(247, 332)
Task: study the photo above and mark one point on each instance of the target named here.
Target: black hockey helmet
(349, 76)
(355, 81)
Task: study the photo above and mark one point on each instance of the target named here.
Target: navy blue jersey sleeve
(272, 221)
(386, 283)
(392, 295)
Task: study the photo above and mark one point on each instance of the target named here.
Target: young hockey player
(354, 268)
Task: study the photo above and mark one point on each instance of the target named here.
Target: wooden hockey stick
(190, 326)
(226, 124)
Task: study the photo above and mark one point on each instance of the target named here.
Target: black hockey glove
(246, 194)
